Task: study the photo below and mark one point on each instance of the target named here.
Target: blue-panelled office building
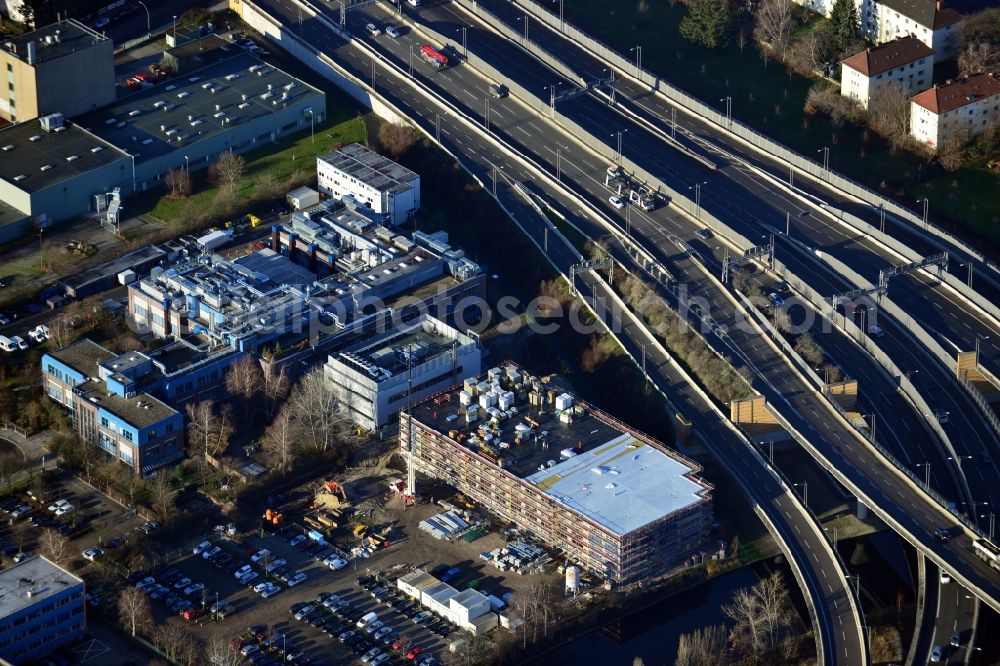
(41, 609)
(110, 398)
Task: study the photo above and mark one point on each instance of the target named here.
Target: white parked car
(202, 547)
(242, 571)
(296, 579)
(92, 554)
(616, 202)
(209, 554)
(64, 509)
(337, 564)
(182, 583)
(248, 578)
(271, 590)
(260, 555)
(55, 506)
(274, 565)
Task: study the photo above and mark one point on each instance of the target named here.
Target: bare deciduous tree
(396, 139)
(245, 380)
(162, 496)
(179, 182)
(279, 441)
(703, 647)
(807, 348)
(230, 169)
(219, 654)
(474, 651)
(176, 641)
(274, 387)
(774, 23)
(979, 57)
(762, 618)
(134, 610)
(11, 462)
(56, 547)
(319, 418)
(889, 112)
(208, 434)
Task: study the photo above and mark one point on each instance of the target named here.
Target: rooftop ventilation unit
(9, 147)
(35, 137)
(72, 157)
(97, 149)
(19, 178)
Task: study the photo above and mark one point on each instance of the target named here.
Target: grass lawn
(769, 98)
(279, 160)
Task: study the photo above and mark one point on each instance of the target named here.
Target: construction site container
(464, 397)
(472, 414)
(565, 417)
(472, 387)
(506, 400)
(564, 401)
(302, 197)
(494, 374)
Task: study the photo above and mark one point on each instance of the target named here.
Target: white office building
(382, 375)
(371, 180)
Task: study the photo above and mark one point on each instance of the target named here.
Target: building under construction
(610, 498)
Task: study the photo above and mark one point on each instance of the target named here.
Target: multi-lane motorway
(466, 89)
(823, 577)
(735, 194)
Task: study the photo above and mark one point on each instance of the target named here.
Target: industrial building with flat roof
(614, 500)
(381, 375)
(41, 609)
(51, 169)
(234, 102)
(363, 175)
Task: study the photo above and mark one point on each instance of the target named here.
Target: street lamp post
(187, 164)
(638, 60)
(827, 530)
(148, 29)
(729, 109)
(411, 61)
(927, 204)
(465, 45)
(312, 125)
(978, 338)
(673, 122)
(927, 474)
(524, 19)
(486, 114)
(881, 215)
(697, 198)
(558, 163)
(619, 133)
(805, 492)
(175, 30)
(826, 158)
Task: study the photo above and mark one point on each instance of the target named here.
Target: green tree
(844, 17)
(708, 23)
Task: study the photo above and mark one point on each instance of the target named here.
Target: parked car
(304, 612)
(296, 540)
(181, 583)
(201, 547)
(259, 555)
(296, 579)
(274, 565)
(209, 554)
(92, 554)
(21, 556)
(336, 564)
(192, 613)
(196, 587)
(248, 577)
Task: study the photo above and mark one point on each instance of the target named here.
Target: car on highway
(616, 202)
(942, 534)
(703, 234)
(936, 653)
(92, 554)
(392, 31)
(372, 30)
(956, 639)
(498, 91)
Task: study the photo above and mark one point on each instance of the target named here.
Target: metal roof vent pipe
(32, 56)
